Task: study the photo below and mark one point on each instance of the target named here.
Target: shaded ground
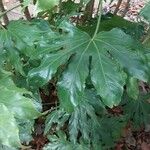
(134, 8)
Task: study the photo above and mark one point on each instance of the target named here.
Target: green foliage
(14, 105)
(12, 97)
(138, 111)
(110, 21)
(84, 126)
(91, 73)
(114, 56)
(17, 44)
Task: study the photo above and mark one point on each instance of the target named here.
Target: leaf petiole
(99, 20)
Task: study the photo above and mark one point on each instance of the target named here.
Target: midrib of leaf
(101, 63)
(78, 67)
(65, 53)
(82, 57)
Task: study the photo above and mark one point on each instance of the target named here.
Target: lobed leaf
(138, 111)
(115, 55)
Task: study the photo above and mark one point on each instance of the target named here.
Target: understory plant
(95, 64)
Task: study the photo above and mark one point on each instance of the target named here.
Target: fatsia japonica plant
(93, 72)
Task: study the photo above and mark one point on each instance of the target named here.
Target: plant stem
(5, 12)
(98, 9)
(99, 19)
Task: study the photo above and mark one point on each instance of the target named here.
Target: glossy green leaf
(20, 33)
(13, 98)
(85, 124)
(114, 54)
(15, 104)
(24, 33)
(16, 38)
(22, 40)
(8, 53)
(132, 88)
(9, 133)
